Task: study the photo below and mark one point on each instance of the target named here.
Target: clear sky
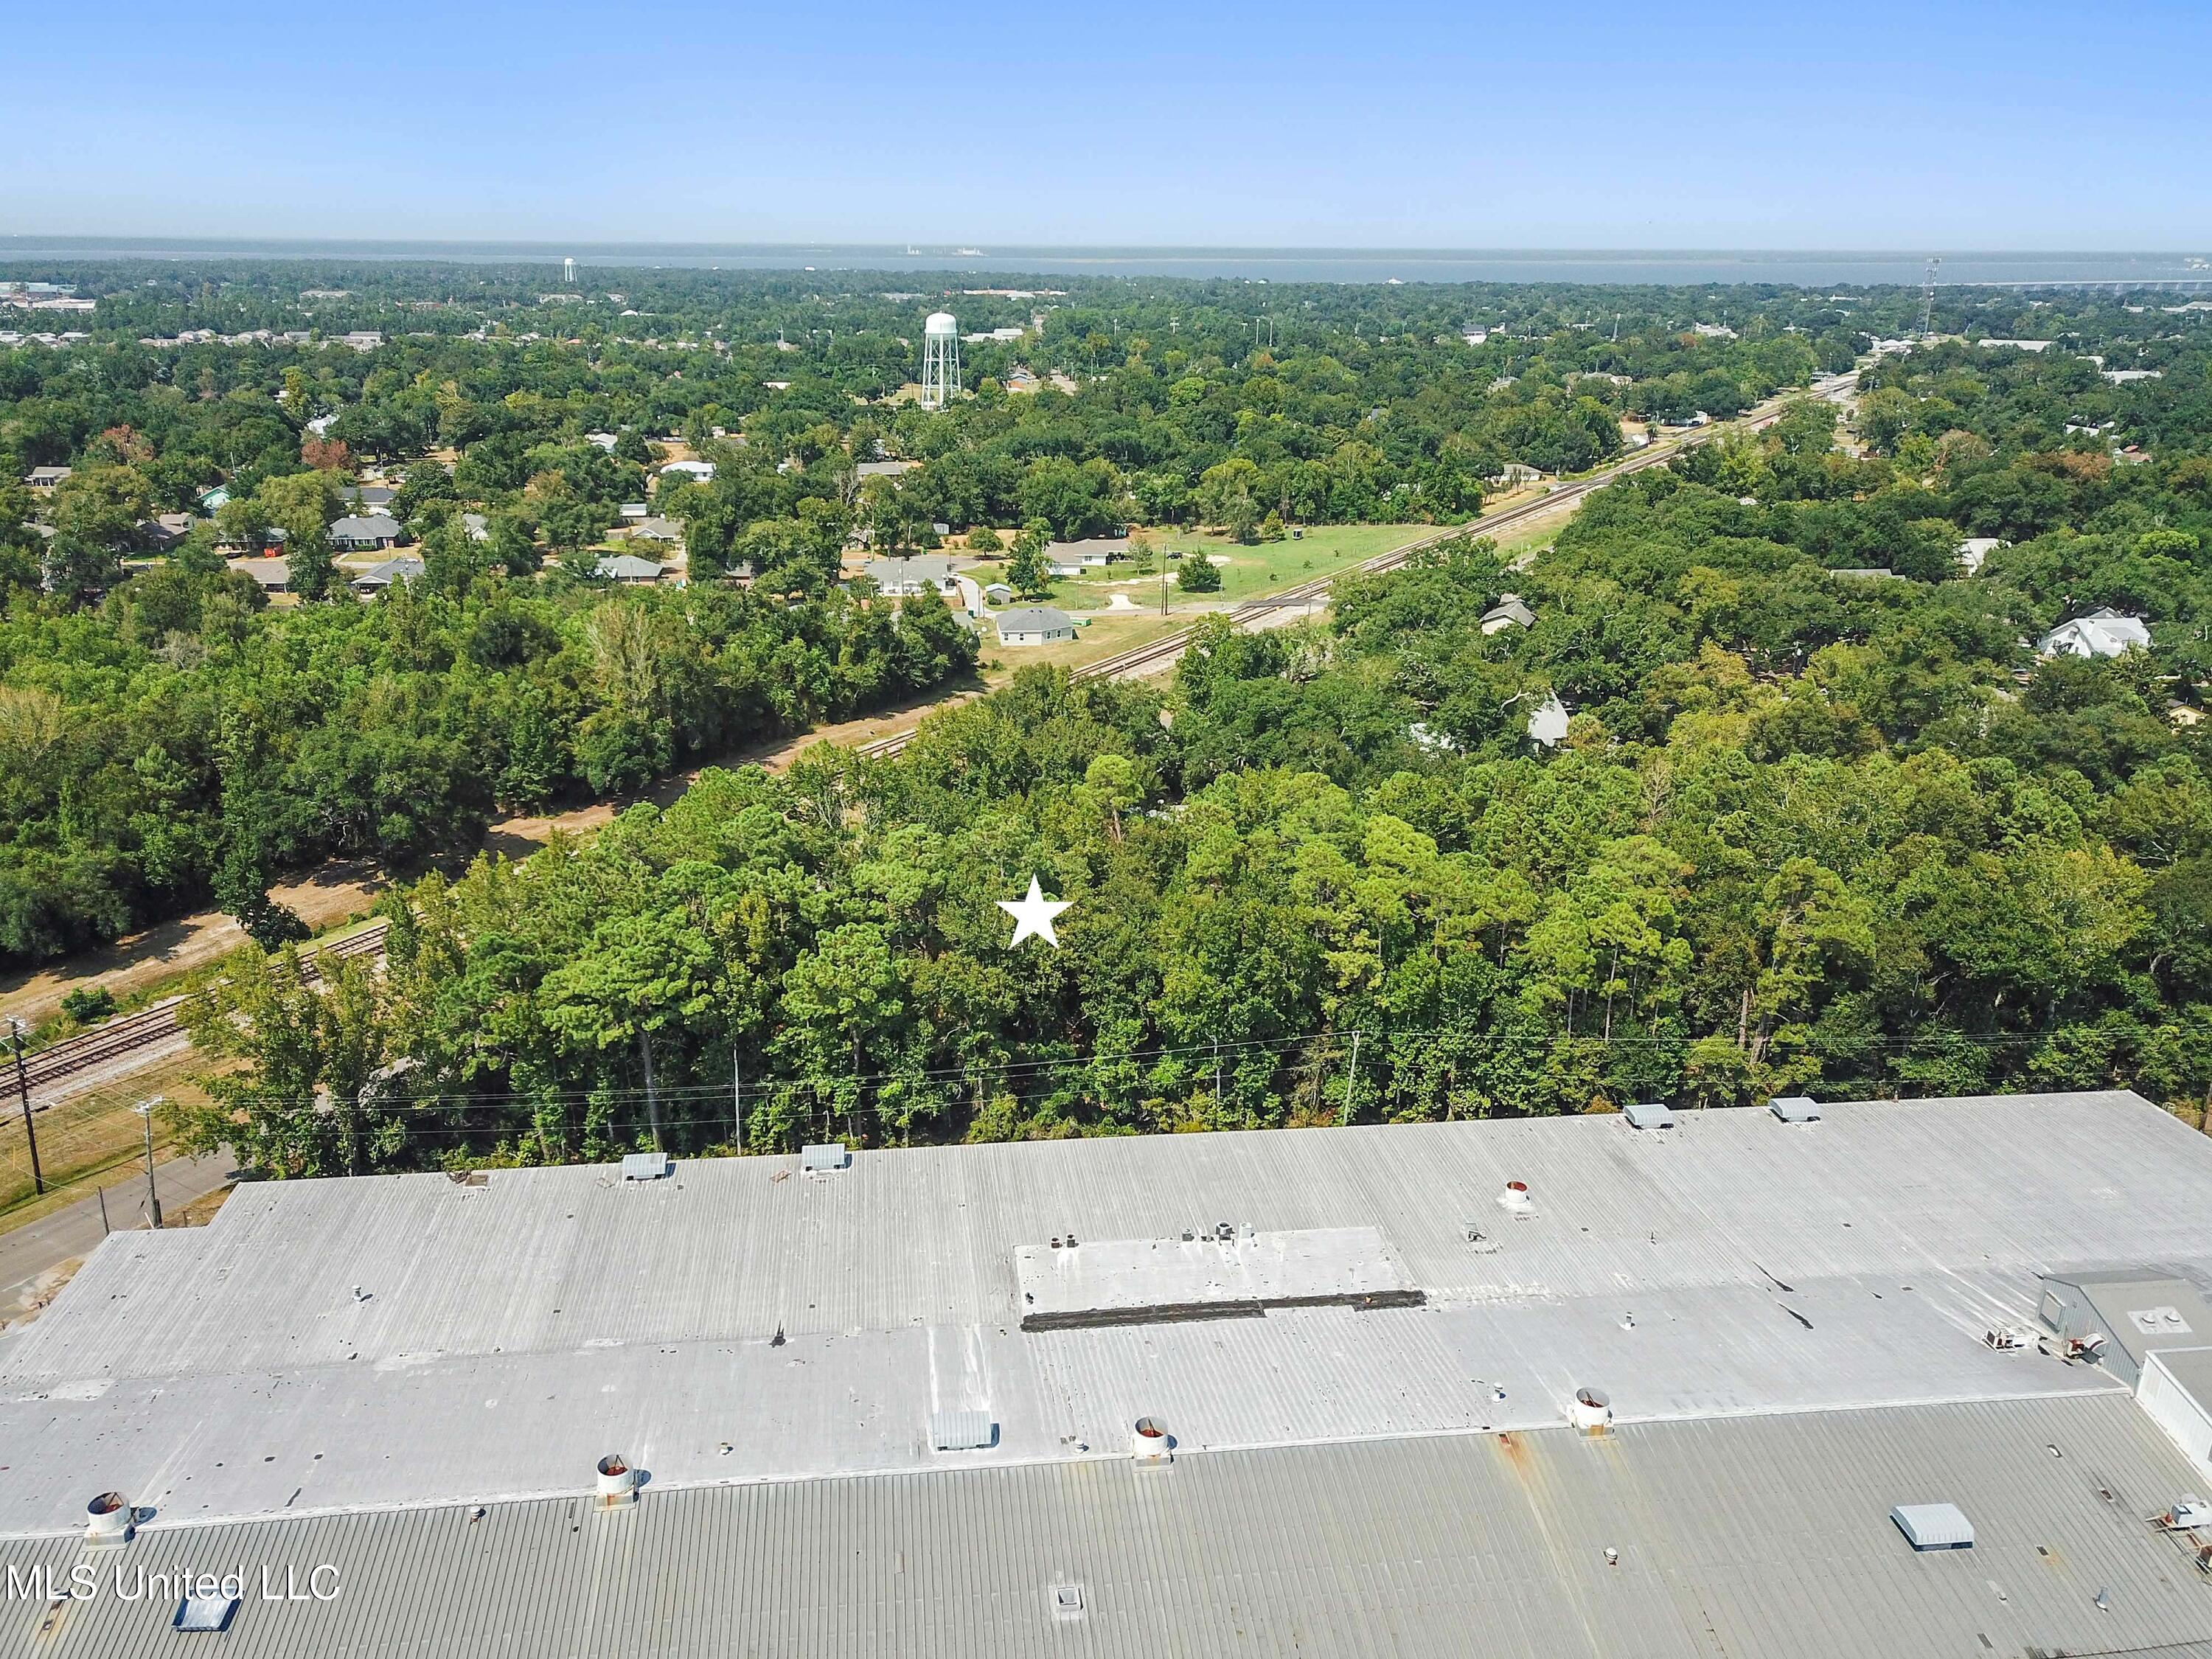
(1959, 123)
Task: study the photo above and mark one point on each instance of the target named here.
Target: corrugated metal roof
(738, 1323)
(1489, 1546)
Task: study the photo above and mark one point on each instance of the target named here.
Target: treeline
(181, 742)
(1809, 831)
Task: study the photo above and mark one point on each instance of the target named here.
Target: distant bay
(1677, 267)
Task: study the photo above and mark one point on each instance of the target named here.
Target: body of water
(1840, 269)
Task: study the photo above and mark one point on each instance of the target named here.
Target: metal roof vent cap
(1795, 1109)
(1592, 1411)
(1149, 1442)
(618, 1481)
(1933, 1526)
(1516, 1197)
(107, 1519)
(816, 1160)
(1650, 1115)
(647, 1166)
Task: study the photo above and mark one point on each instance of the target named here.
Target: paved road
(73, 1230)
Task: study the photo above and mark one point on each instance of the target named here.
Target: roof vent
(107, 1519)
(1149, 1442)
(1068, 1600)
(1515, 1199)
(1592, 1411)
(961, 1432)
(817, 1160)
(1795, 1109)
(2186, 1514)
(1648, 1117)
(647, 1166)
(618, 1481)
(209, 1614)
(1933, 1526)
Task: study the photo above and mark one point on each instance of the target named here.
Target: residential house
(633, 511)
(628, 568)
(1074, 558)
(363, 339)
(1508, 612)
(365, 533)
(270, 575)
(373, 498)
(2102, 633)
(212, 502)
(928, 572)
(1035, 624)
(160, 534)
(44, 478)
(476, 526)
(653, 529)
(885, 469)
(377, 579)
(1975, 550)
(703, 470)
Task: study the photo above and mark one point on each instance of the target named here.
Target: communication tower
(1928, 300)
(940, 360)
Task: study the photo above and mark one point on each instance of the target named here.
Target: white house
(1975, 550)
(928, 572)
(2104, 632)
(1074, 558)
(703, 470)
(1508, 612)
(1035, 624)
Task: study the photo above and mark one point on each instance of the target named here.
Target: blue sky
(2019, 126)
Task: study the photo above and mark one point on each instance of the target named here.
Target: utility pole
(1351, 1076)
(145, 1110)
(737, 1096)
(23, 1088)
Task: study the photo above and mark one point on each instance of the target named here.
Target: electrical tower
(940, 360)
(1928, 300)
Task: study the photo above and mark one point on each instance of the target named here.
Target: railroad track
(1145, 659)
(156, 1024)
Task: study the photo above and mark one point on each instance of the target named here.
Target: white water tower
(569, 272)
(940, 360)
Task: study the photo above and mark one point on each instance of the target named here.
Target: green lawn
(1261, 569)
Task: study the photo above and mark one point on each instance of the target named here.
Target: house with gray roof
(1035, 624)
(1074, 558)
(364, 532)
(377, 578)
(628, 568)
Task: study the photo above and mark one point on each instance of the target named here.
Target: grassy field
(1261, 569)
(86, 1136)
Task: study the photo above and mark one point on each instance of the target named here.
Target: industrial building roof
(1770, 1536)
(1342, 1321)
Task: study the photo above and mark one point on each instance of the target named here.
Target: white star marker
(1033, 915)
